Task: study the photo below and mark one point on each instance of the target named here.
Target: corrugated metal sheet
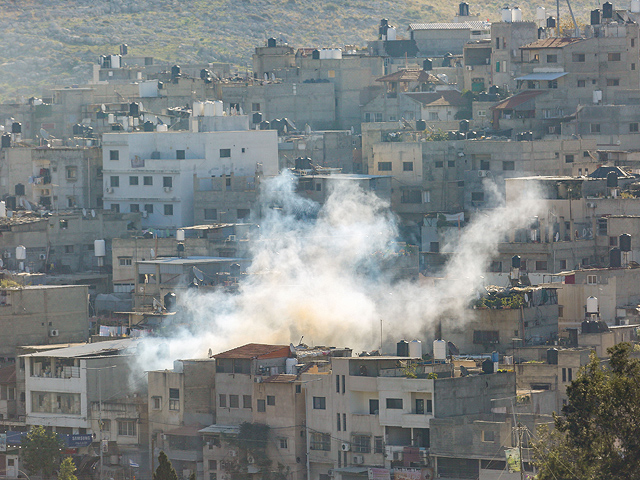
(450, 26)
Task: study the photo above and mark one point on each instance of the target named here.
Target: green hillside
(55, 41)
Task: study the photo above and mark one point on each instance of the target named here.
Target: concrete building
(329, 148)
(153, 172)
(506, 40)
(438, 39)
(41, 314)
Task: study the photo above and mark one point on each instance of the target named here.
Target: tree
(67, 470)
(41, 451)
(165, 470)
(597, 435)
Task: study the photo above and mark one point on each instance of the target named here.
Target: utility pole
(520, 429)
(99, 369)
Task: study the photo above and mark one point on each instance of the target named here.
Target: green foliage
(67, 470)
(41, 451)
(432, 376)
(165, 470)
(597, 434)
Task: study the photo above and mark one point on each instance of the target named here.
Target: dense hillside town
(389, 261)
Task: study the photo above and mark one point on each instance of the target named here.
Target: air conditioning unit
(258, 380)
(233, 453)
(167, 189)
(591, 205)
(330, 472)
(54, 333)
(469, 67)
(552, 130)
(42, 256)
(145, 214)
(345, 447)
(231, 238)
(6, 254)
(483, 173)
(358, 459)
(109, 190)
(397, 456)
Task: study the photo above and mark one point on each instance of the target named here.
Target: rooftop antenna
(300, 342)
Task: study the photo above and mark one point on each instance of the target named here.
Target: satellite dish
(93, 213)
(198, 274)
(153, 253)
(44, 134)
(84, 212)
(103, 108)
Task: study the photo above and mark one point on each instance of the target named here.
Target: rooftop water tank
(402, 348)
(506, 14)
(415, 348)
(615, 258)
(595, 16)
(21, 252)
(607, 10)
(516, 14)
(552, 356)
(541, 13)
(612, 180)
(625, 242)
(271, 42)
(180, 235)
(592, 305)
(487, 366)
(551, 22)
(439, 350)
(516, 261)
(290, 366)
(635, 6)
(99, 248)
(463, 9)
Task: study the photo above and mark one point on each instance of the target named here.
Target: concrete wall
(471, 395)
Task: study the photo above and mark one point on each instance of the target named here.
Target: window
(570, 374)
(331, 74)
(210, 214)
(633, 127)
(578, 57)
(394, 403)
(319, 403)
(595, 128)
(439, 164)
(246, 401)
(225, 152)
(613, 57)
(378, 117)
(115, 207)
(477, 196)
(156, 403)
(552, 58)
(72, 173)
(481, 337)
(338, 422)
(127, 428)
(255, 107)
(125, 261)
(234, 401)
(564, 374)
(168, 209)
(613, 82)
(180, 154)
(482, 113)
(114, 154)
(451, 163)
(602, 226)
(367, 117)
(283, 443)
(213, 464)
(433, 116)
(407, 166)
(633, 66)
(485, 165)
(148, 207)
(541, 265)
(374, 406)
(271, 400)
(592, 279)
(378, 444)
(384, 166)
(68, 249)
(147, 180)
(337, 383)
(568, 158)
(582, 83)
(114, 181)
(488, 436)
(419, 406)
(411, 196)
(262, 406)
(133, 180)
(361, 444)
(134, 207)
(174, 399)
(167, 182)
(508, 165)
(495, 267)
(429, 406)
(344, 422)
(320, 441)
(298, 388)
(563, 264)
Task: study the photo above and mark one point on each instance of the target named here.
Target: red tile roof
(556, 42)
(444, 97)
(516, 100)
(256, 350)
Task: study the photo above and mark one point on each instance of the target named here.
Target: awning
(543, 76)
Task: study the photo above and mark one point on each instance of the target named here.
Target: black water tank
(10, 202)
(515, 261)
(472, 134)
(464, 126)
(271, 42)
(625, 242)
(552, 356)
(302, 163)
(540, 31)
(384, 22)
(607, 10)
(402, 348)
(265, 125)
(180, 247)
(19, 189)
(487, 366)
(551, 22)
(124, 49)
(612, 180)
(204, 73)
(463, 9)
(493, 89)
(585, 327)
(256, 118)
(427, 64)
(175, 71)
(134, 109)
(77, 129)
(315, 55)
(421, 125)
(170, 301)
(595, 17)
(16, 127)
(148, 126)
(615, 258)
(6, 141)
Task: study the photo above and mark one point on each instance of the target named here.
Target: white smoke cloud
(324, 279)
